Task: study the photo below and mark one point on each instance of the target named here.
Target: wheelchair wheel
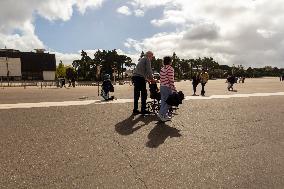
(156, 108)
(149, 106)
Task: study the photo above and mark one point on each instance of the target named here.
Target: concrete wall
(14, 67)
(48, 75)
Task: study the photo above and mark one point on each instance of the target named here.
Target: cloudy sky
(247, 32)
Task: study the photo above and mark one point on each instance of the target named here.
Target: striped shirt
(167, 77)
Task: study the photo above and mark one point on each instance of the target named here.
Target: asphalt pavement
(214, 143)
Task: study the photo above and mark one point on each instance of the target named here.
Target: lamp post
(98, 77)
(8, 72)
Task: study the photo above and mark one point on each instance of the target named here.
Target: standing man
(142, 72)
(195, 82)
(204, 77)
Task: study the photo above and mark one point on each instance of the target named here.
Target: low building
(17, 65)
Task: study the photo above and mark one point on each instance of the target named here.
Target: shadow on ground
(160, 133)
(129, 125)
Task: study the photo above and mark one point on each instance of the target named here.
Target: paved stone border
(122, 101)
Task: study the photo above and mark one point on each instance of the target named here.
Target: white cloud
(139, 13)
(266, 33)
(66, 58)
(124, 10)
(149, 3)
(234, 32)
(18, 17)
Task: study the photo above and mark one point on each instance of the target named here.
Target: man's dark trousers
(202, 89)
(194, 87)
(139, 86)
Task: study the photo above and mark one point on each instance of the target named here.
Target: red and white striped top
(167, 77)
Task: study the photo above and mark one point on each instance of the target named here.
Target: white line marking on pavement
(122, 101)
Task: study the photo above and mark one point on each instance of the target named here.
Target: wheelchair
(154, 105)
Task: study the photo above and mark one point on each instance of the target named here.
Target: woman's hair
(167, 60)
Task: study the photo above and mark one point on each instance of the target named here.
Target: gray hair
(149, 53)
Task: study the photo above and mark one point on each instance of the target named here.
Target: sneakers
(164, 118)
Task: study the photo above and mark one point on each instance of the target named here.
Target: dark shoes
(135, 112)
(145, 112)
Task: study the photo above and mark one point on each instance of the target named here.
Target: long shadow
(128, 126)
(160, 133)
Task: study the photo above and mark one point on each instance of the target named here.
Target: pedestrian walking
(195, 82)
(142, 72)
(204, 77)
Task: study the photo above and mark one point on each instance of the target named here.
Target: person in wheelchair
(107, 87)
(154, 91)
(155, 95)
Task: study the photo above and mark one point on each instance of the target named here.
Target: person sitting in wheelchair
(154, 91)
(107, 87)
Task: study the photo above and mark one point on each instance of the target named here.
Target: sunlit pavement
(210, 143)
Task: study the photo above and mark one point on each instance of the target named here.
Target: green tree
(60, 70)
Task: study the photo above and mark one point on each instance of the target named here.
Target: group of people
(142, 74)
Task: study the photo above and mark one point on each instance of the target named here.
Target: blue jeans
(165, 93)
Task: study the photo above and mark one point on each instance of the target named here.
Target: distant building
(17, 65)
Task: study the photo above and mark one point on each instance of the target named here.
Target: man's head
(149, 55)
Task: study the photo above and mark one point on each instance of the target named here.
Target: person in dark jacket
(231, 80)
(107, 87)
(195, 82)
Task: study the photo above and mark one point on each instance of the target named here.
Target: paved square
(210, 143)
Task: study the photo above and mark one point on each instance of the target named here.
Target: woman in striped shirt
(167, 87)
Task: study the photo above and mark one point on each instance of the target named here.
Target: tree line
(110, 62)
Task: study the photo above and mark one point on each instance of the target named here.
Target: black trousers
(139, 87)
(202, 89)
(194, 85)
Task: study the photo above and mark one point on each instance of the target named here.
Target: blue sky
(102, 28)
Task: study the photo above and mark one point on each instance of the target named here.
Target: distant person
(167, 87)
(243, 79)
(69, 83)
(73, 81)
(107, 87)
(62, 82)
(204, 77)
(142, 72)
(230, 81)
(195, 82)
(282, 77)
